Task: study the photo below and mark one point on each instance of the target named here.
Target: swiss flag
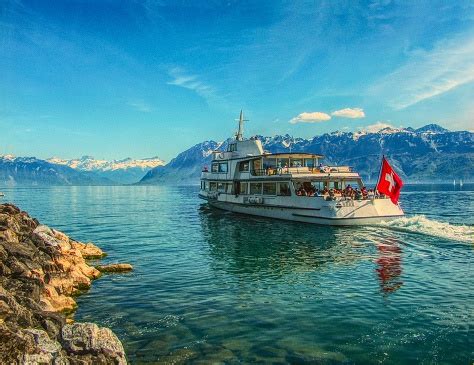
(389, 183)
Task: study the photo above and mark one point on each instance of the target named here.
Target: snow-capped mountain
(89, 163)
(83, 171)
(33, 171)
(430, 153)
(126, 171)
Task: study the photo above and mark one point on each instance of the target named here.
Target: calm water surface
(210, 286)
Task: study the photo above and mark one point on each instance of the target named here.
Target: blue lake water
(211, 286)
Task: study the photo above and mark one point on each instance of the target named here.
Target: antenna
(240, 134)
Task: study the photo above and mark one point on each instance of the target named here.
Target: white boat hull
(317, 210)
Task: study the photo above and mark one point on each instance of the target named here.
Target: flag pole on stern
(380, 176)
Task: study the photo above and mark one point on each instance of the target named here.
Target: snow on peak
(88, 163)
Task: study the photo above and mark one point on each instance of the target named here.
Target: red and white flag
(389, 183)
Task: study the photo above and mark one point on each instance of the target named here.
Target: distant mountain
(430, 153)
(126, 171)
(187, 164)
(33, 171)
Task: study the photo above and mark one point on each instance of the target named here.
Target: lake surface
(211, 286)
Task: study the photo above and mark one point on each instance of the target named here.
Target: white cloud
(374, 128)
(313, 117)
(428, 73)
(353, 113)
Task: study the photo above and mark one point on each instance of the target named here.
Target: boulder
(88, 338)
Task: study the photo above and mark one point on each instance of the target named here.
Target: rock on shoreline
(41, 269)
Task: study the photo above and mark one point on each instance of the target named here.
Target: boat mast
(240, 134)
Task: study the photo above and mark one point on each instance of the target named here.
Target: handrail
(300, 170)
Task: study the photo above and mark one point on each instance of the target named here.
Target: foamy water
(421, 225)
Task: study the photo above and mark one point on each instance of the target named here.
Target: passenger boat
(290, 186)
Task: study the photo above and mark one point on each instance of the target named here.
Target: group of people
(348, 192)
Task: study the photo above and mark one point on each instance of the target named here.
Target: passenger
(349, 191)
(371, 194)
(364, 192)
(357, 194)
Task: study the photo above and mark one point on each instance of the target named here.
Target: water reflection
(244, 245)
(389, 267)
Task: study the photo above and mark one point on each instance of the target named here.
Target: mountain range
(83, 171)
(430, 153)
(126, 171)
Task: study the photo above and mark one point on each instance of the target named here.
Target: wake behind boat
(296, 186)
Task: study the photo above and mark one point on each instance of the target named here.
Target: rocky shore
(41, 271)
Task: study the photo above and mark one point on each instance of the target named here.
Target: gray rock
(88, 338)
(47, 351)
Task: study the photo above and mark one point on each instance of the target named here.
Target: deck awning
(292, 155)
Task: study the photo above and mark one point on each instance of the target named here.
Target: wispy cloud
(191, 82)
(311, 117)
(427, 74)
(140, 106)
(352, 113)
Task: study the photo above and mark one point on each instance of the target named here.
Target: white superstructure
(291, 186)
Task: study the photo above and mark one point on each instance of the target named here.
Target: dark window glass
(223, 167)
(284, 189)
(244, 166)
(255, 188)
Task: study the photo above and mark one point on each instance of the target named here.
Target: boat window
(206, 185)
(215, 167)
(297, 162)
(244, 188)
(335, 185)
(283, 189)
(257, 167)
(255, 188)
(232, 147)
(319, 185)
(229, 188)
(309, 162)
(269, 188)
(221, 187)
(283, 162)
(213, 186)
(353, 183)
(269, 163)
(223, 167)
(244, 166)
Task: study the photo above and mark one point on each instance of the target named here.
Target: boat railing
(269, 171)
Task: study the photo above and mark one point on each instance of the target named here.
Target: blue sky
(142, 78)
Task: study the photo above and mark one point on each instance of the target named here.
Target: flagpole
(380, 175)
